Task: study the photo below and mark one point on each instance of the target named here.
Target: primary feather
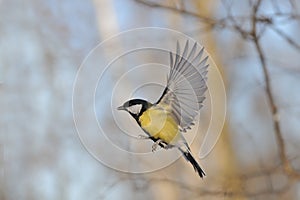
(186, 85)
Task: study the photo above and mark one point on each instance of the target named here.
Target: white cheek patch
(135, 109)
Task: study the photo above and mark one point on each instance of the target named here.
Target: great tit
(176, 109)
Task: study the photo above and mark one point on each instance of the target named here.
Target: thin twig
(202, 18)
(286, 37)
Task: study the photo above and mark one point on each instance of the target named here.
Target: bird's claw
(142, 137)
(155, 145)
(168, 146)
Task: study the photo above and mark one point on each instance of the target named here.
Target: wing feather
(186, 85)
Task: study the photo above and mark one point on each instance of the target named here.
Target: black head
(135, 107)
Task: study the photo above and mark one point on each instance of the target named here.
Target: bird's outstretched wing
(186, 85)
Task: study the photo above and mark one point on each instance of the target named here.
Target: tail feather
(188, 156)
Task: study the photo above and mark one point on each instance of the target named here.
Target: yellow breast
(160, 124)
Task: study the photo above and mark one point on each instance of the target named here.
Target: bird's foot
(143, 137)
(155, 145)
(168, 146)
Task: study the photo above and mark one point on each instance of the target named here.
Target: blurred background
(255, 45)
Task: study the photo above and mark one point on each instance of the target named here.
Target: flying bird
(175, 111)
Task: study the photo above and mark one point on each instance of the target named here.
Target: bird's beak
(121, 108)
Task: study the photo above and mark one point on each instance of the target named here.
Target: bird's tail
(188, 156)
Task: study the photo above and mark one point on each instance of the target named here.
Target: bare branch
(276, 125)
(202, 18)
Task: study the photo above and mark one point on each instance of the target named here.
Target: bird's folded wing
(186, 85)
